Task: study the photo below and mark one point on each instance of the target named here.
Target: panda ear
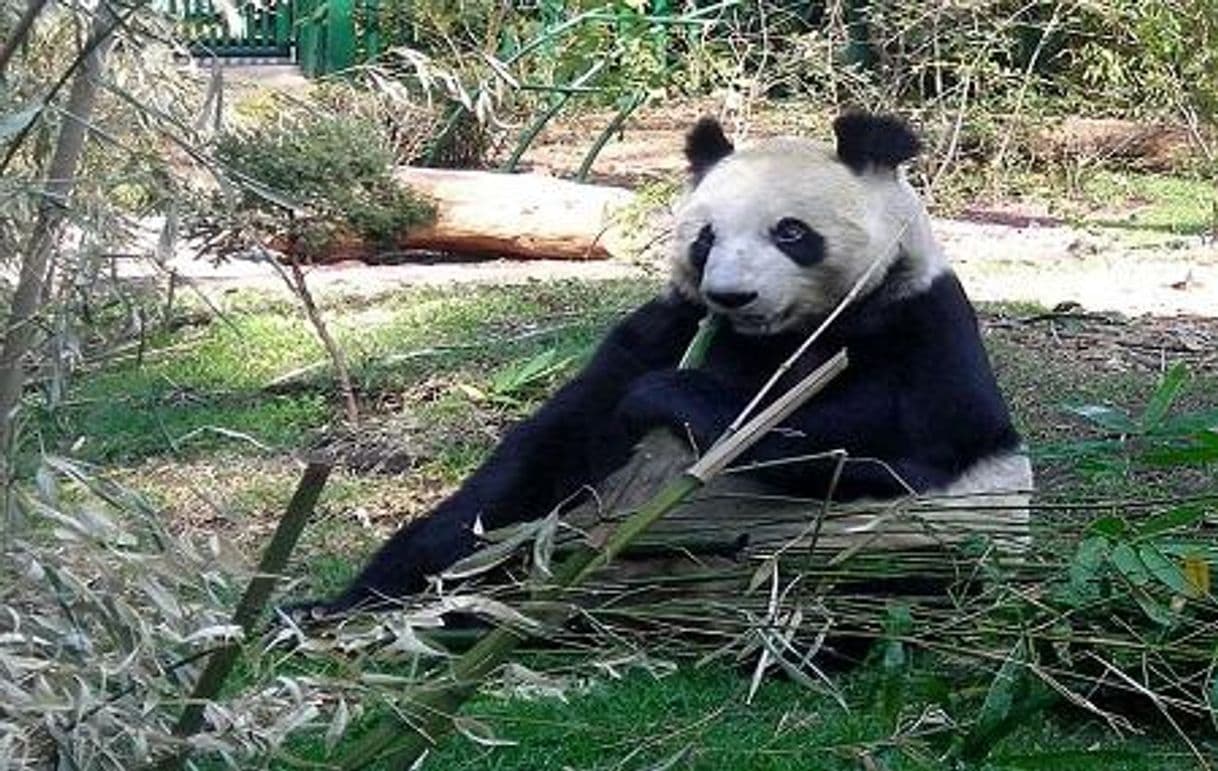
(881, 140)
(705, 145)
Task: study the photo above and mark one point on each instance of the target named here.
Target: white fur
(991, 499)
(859, 216)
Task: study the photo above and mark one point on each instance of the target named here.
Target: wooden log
(736, 520)
(528, 216)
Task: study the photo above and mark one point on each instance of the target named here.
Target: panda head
(773, 236)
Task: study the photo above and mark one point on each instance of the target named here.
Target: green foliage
(1156, 436)
(330, 175)
(1014, 696)
(640, 719)
(909, 707)
(193, 382)
(1160, 53)
(522, 379)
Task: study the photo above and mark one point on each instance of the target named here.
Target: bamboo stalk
(17, 36)
(432, 710)
(630, 105)
(438, 705)
(727, 448)
(20, 330)
(257, 592)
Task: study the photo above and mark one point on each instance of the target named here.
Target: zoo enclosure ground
(1135, 242)
(207, 423)
(438, 370)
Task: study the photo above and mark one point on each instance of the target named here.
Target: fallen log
(529, 216)
(735, 520)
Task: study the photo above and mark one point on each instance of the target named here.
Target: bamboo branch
(431, 711)
(295, 279)
(403, 742)
(840, 308)
(257, 592)
(17, 38)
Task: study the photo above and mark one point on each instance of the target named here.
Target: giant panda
(769, 237)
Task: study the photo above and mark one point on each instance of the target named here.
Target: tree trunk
(526, 216)
(521, 215)
(59, 181)
(736, 519)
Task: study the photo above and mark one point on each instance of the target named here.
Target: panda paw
(307, 613)
(690, 402)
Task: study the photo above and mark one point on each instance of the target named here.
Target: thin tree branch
(24, 24)
(60, 179)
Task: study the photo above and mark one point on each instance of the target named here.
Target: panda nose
(731, 300)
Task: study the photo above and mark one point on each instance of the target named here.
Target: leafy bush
(330, 175)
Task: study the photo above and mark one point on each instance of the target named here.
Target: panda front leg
(693, 403)
(568, 444)
(798, 456)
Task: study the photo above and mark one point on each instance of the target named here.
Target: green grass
(131, 411)
(1156, 202)
(699, 718)
(1150, 203)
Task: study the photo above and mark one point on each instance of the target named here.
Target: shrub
(320, 179)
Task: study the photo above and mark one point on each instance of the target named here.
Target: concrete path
(1101, 269)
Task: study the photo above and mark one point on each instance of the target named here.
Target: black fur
(918, 394)
(705, 145)
(798, 241)
(540, 463)
(880, 140)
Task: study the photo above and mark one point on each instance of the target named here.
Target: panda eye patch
(798, 241)
(699, 250)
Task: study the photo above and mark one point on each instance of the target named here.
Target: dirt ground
(1100, 269)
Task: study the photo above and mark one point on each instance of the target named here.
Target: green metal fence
(332, 35)
(262, 29)
(322, 35)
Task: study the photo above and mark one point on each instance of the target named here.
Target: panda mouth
(759, 324)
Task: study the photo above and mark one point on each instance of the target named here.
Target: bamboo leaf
(1153, 609)
(1083, 573)
(543, 543)
(1127, 562)
(338, 725)
(216, 633)
(1198, 449)
(479, 733)
(1001, 694)
(1163, 569)
(1197, 571)
(1108, 418)
(15, 122)
(509, 540)
(1193, 422)
(1173, 382)
(1111, 527)
(1014, 697)
(1173, 519)
(505, 614)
